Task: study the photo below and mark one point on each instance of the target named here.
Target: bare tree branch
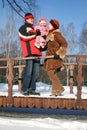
(27, 4)
(19, 6)
(3, 3)
(14, 8)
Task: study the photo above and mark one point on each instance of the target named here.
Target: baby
(42, 25)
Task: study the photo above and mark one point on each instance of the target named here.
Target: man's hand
(38, 32)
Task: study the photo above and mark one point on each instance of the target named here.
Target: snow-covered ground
(45, 91)
(28, 121)
(43, 122)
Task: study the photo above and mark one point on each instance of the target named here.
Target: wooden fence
(70, 61)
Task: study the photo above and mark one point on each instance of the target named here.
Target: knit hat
(55, 23)
(28, 15)
(42, 20)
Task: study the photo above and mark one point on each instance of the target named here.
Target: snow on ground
(43, 123)
(45, 91)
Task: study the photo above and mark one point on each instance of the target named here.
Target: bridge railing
(18, 64)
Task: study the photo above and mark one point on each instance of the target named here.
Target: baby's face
(43, 24)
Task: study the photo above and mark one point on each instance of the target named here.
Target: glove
(38, 32)
(56, 56)
(44, 36)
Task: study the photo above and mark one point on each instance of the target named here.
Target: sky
(65, 11)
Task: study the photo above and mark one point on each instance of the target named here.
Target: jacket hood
(39, 20)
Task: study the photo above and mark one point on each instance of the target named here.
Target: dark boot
(25, 92)
(32, 92)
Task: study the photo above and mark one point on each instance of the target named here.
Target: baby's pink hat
(42, 20)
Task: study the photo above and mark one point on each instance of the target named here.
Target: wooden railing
(70, 62)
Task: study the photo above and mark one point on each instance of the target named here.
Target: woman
(56, 45)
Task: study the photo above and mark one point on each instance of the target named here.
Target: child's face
(43, 24)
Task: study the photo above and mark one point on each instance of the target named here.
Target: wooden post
(10, 82)
(20, 78)
(71, 78)
(79, 81)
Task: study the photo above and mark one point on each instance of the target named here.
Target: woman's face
(50, 26)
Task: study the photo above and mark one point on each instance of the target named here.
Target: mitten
(56, 56)
(44, 36)
(38, 32)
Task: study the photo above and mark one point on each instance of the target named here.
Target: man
(27, 37)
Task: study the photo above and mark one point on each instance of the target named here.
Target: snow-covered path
(40, 122)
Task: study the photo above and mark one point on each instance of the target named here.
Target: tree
(9, 39)
(70, 36)
(83, 39)
(9, 35)
(21, 7)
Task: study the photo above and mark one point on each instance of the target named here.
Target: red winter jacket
(27, 39)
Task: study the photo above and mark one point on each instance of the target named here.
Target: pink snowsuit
(40, 40)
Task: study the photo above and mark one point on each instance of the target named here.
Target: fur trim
(50, 36)
(61, 52)
(28, 29)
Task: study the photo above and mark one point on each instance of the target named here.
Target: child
(42, 26)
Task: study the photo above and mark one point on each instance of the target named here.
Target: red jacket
(27, 39)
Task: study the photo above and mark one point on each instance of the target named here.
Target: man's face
(30, 20)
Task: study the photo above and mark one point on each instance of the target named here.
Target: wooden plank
(46, 103)
(31, 102)
(23, 102)
(84, 104)
(69, 104)
(60, 103)
(38, 102)
(17, 102)
(54, 103)
(1, 99)
(41, 102)
(4, 102)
